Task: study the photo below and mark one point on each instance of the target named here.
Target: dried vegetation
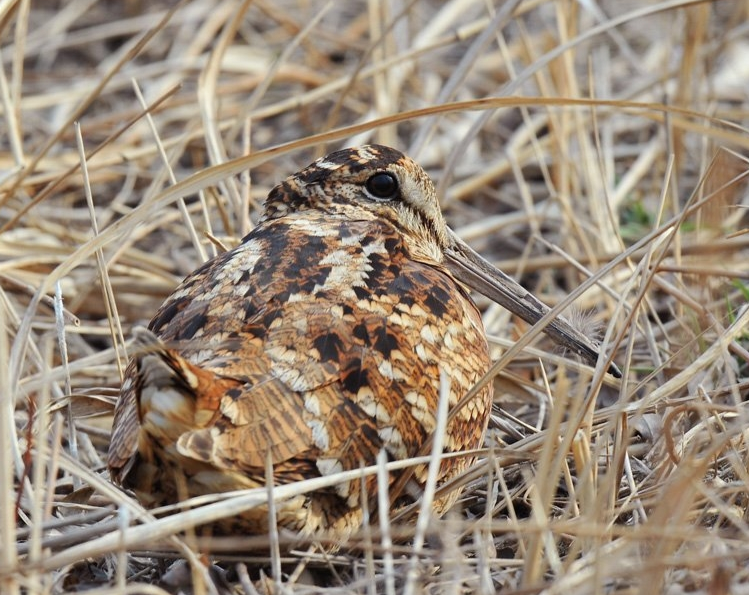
(591, 149)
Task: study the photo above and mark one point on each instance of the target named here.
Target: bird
(315, 344)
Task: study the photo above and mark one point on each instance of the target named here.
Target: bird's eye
(382, 186)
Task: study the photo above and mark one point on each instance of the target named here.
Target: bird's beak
(471, 269)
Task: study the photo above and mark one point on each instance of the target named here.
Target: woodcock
(319, 341)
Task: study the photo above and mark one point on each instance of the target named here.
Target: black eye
(382, 185)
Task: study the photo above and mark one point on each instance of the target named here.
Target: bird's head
(374, 182)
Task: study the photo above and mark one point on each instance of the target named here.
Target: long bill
(470, 268)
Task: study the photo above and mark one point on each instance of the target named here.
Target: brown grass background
(589, 147)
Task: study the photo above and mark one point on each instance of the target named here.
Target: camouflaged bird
(319, 341)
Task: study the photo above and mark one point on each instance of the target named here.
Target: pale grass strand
(640, 514)
(20, 36)
(275, 548)
(62, 345)
(10, 113)
(541, 540)
(427, 499)
(585, 490)
(452, 560)
(484, 543)
(383, 507)
(123, 522)
(244, 222)
(380, 39)
(113, 317)
(8, 446)
(41, 474)
(368, 542)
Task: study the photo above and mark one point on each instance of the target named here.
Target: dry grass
(587, 148)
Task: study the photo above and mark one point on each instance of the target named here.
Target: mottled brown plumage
(319, 340)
